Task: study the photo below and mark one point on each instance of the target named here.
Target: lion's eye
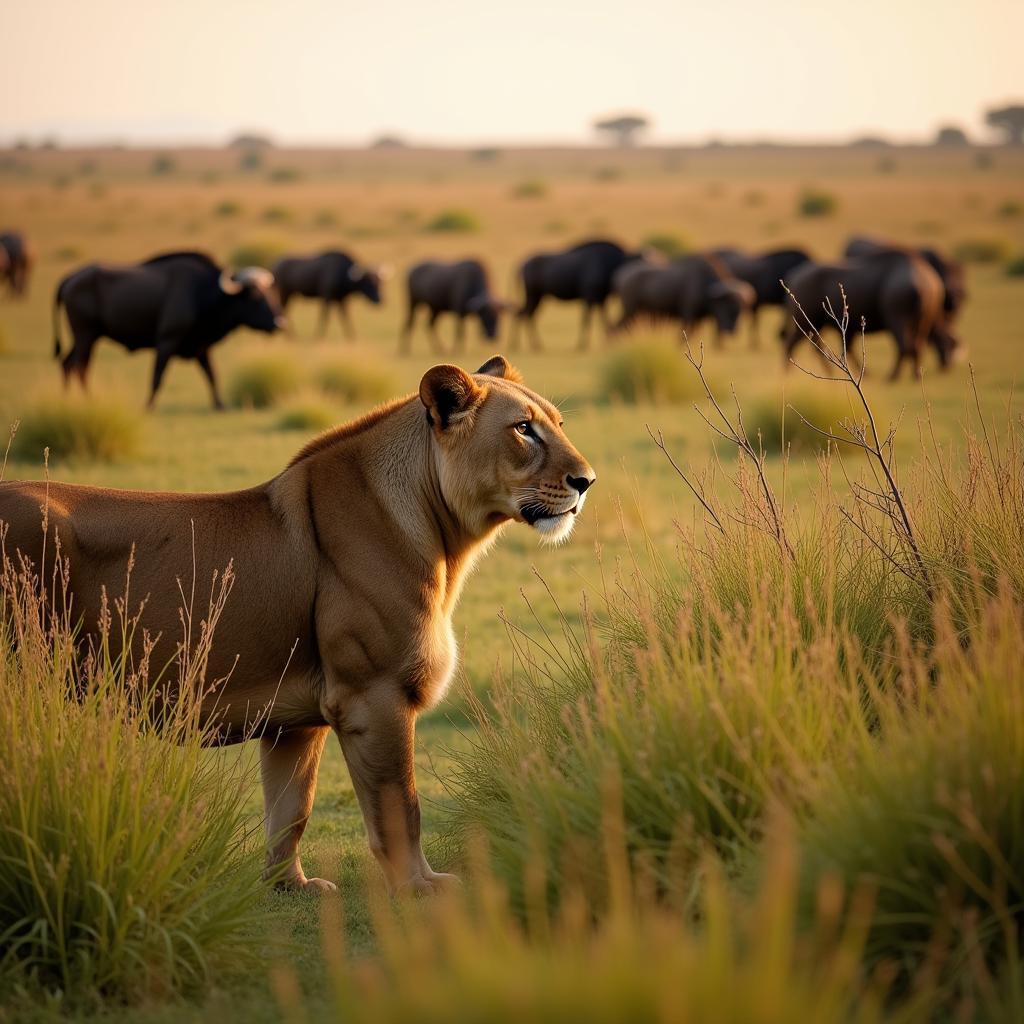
(523, 428)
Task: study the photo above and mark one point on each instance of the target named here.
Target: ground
(110, 205)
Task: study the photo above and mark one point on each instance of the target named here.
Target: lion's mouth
(534, 514)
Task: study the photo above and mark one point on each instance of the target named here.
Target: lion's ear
(499, 366)
(448, 393)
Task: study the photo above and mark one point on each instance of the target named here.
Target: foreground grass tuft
(124, 874)
(310, 414)
(77, 432)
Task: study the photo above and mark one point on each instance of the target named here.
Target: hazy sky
(532, 70)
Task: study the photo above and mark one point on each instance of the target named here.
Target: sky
(473, 71)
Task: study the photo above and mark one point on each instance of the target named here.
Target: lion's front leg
(289, 762)
(377, 734)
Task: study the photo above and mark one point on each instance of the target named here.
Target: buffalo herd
(181, 304)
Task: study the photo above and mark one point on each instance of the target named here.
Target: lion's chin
(555, 529)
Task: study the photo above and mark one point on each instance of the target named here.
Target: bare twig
(660, 442)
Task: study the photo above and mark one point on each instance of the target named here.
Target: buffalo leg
(460, 332)
(325, 310)
(346, 321)
(435, 341)
(584, 342)
(602, 310)
(289, 763)
(755, 334)
(163, 357)
(203, 358)
(405, 337)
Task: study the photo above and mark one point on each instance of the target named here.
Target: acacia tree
(951, 135)
(1010, 121)
(624, 128)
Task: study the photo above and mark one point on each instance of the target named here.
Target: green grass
(76, 432)
(125, 872)
(667, 243)
(257, 252)
(307, 415)
(453, 221)
(352, 383)
(982, 250)
(263, 383)
(645, 373)
(815, 202)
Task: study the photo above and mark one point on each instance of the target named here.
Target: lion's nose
(580, 483)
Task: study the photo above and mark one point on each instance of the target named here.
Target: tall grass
(78, 431)
(641, 373)
(262, 383)
(124, 867)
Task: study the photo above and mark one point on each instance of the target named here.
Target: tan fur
(354, 556)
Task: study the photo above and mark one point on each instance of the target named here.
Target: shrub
(982, 250)
(816, 203)
(276, 215)
(648, 373)
(163, 164)
(1015, 267)
(355, 384)
(258, 252)
(123, 871)
(262, 383)
(306, 415)
(77, 431)
(1010, 209)
(532, 188)
(667, 243)
(67, 253)
(454, 221)
(782, 427)
(607, 174)
(227, 208)
(250, 160)
(284, 175)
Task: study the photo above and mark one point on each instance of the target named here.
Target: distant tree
(251, 140)
(870, 142)
(1010, 121)
(950, 135)
(389, 142)
(623, 128)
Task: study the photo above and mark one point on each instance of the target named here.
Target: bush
(533, 188)
(816, 203)
(250, 160)
(263, 383)
(276, 215)
(78, 432)
(607, 174)
(667, 243)
(257, 252)
(355, 384)
(982, 250)
(454, 221)
(1010, 209)
(163, 165)
(306, 415)
(67, 253)
(284, 175)
(124, 874)
(1015, 267)
(648, 373)
(227, 208)
(781, 427)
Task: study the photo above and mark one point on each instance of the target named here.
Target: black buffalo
(16, 261)
(180, 304)
(689, 289)
(764, 273)
(892, 290)
(332, 277)
(461, 288)
(581, 274)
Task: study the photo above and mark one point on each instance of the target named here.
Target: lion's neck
(392, 463)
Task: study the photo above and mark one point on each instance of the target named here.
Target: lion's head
(501, 453)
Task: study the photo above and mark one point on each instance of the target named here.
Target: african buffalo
(764, 273)
(331, 276)
(583, 273)
(180, 304)
(892, 290)
(461, 288)
(16, 259)
(689, 289)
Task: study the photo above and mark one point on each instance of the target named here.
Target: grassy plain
(78, 206)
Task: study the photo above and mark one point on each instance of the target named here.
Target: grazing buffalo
(332, 277)
(179, 304)
(689, 289)
(16, 259)
(583, 273)
(892, 290)
(461, 288)
(764, 273)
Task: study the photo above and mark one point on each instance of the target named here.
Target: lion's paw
(318, 885)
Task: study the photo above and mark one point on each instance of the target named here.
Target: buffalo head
(367, 280)
(488, 309)
(728, 299)
(256, 305)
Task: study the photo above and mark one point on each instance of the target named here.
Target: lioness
(354, 556)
